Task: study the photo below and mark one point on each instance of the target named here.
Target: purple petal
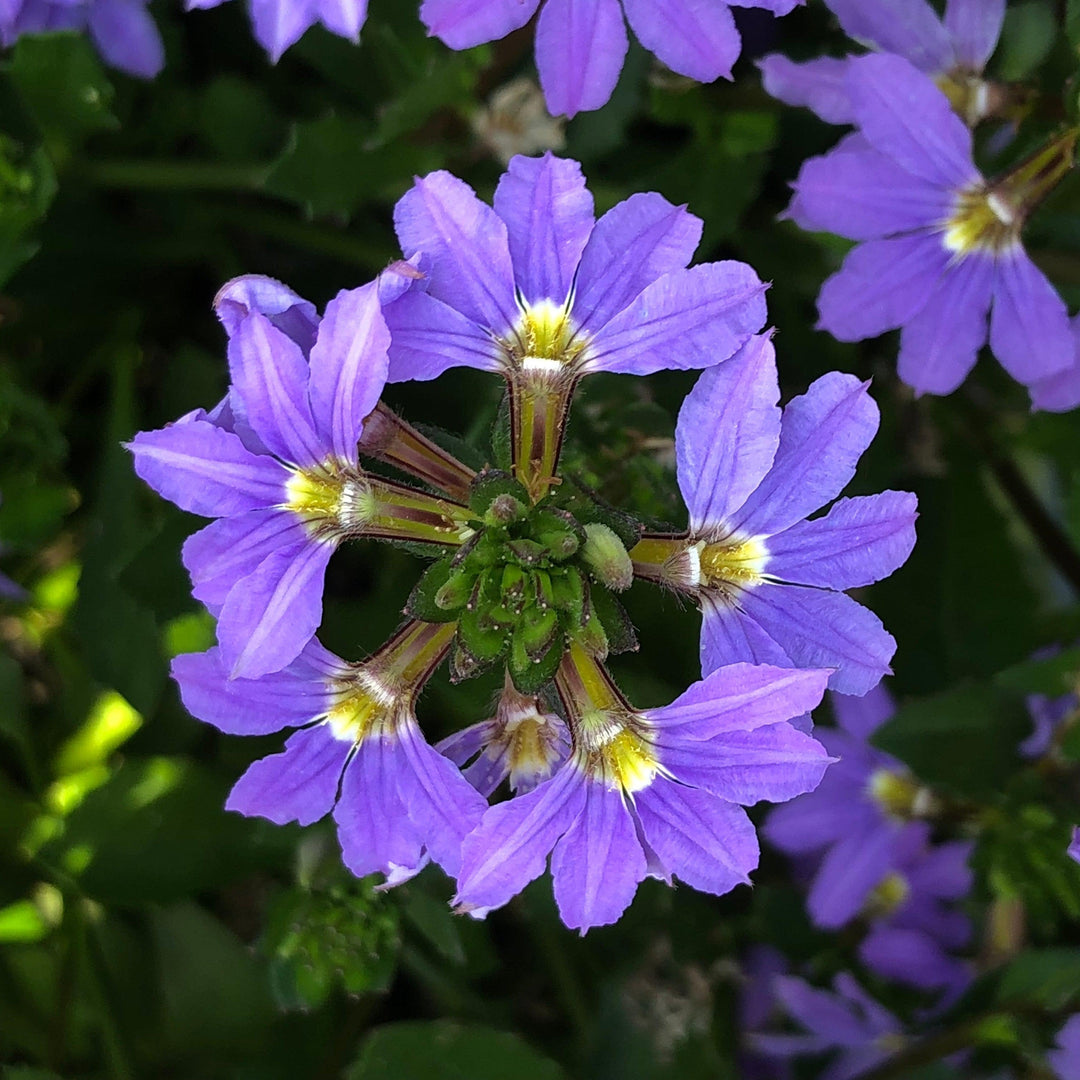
(229, 549)
(773, 763)
(510, 847)
(126, 36)
(820, 1012)
(943, 872)
(288, 698)
(287, 310)
(1029, 327)
(549, 215)
(819, 629)
(974, 26)
(465, 744)
(349, 366)
(461, 24)
(727, 433)
(270, 375)
(205, 470)
(688, 319)
(706, 842)
(465, 245)
(277, 24)
(822, 436)
(299, 784)
(739, 697)
(730, 636)
(910, 956)
(813, 823)
(905, 116)
(440, 802)
(858, 542)
(1073, 850)
(696, 38)
(343, 17)
(598, 863)
(374, 830)
(909, 28)
(633, 244)
(864, 195)
(820, 85)
(862, 716)
(274, 612)
(428, 336)
(1065, 1059)
(882, 284)
(580, 47)
(849, 873)
(940, 344)
(1060, 393)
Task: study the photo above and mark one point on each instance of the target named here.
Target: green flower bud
(606, 557)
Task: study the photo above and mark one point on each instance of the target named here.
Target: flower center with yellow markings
(616, 752)
(545, 339)
(891, 892)
(529, 746)
(983, 220)
(330, 500)
(363, 703)
(732, 563)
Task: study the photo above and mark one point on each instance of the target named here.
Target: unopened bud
(605, 555)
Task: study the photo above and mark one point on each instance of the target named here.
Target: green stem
(927, 1051)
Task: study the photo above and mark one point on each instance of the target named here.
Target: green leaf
(1046, 977)
(1051, 675)
(441, 1050)
(64, 86)
(618, 628)
(963, 740)
(421, 603)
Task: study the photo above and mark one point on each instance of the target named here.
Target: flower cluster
(581, 44)
(864, 832)
(525, 563)
(121, 30)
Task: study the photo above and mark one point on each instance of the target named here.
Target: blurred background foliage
(144, 931)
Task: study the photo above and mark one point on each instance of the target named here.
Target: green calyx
(524, 586)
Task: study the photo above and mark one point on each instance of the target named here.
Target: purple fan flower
(654, 793)
(873, 858)
(121, 30)
(581, 44)
(1064, 1059)
(848, 1023)
(285, 485)
(537, 286)
(952, 51)
(939, 245)
(520, 743)
(758, 1006)
(1073, 850)
(769, 581)
(277, 24)
(357, 751)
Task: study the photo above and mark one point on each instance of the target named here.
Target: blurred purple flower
(939, 245)
(873, 858)
(358, 750)
(121, 30)
(847, 1023)
(581, 44)
(758, 1007)
(276, 464)
(537, 285)
(1065, 1058)
(653, 793)
(1073, 850)
(769, 581)
(277, 24)
(952, 51)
